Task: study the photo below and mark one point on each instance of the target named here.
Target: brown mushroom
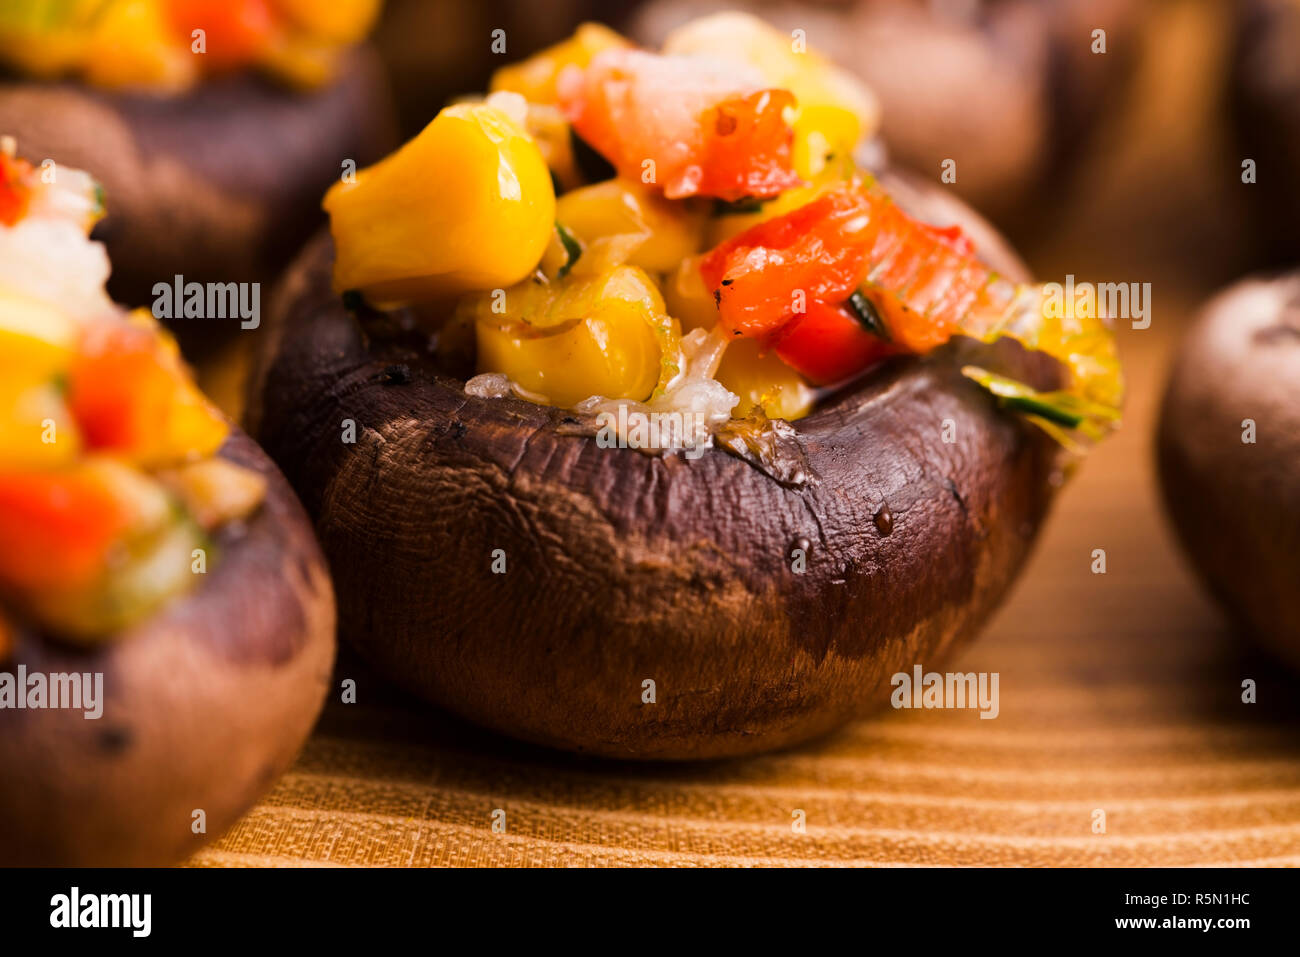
(221, 184)
(205, 704)
(622, 568)
(1229, 454)
(1264, 101)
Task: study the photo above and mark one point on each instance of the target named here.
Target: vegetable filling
(722, 258)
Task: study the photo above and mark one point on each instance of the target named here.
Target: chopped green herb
(572, 249)
(1051, 410)
(593, 167)
(865, 311)
(746, 204)
(1052, 413)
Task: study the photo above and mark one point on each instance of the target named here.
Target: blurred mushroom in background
(437, 49)
(213, 127)
(1264, 102)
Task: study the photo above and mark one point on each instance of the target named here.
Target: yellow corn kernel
(466, 205)
(834, 110)
(663, 233)
(567, 341)
(762, 379)
(535, 77)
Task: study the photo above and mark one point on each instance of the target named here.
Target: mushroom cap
(1234, 502)
(204, 704)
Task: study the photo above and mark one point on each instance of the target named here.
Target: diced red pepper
(709, 129)
(56, 528)
(924, 281)
(828, 344)
(117, 390)
(130, 395)
(236, 31)
(816, 253)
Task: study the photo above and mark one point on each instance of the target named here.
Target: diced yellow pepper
(132, 45)
(36, 339)
(570, 340)
(36, 428)
(663, 233)
(535, 77)
(466, 205)
(834, 110)
(341, 22)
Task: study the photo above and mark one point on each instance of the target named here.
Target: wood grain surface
(1119, 692)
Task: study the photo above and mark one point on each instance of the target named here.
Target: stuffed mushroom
(212, 125)
(637, 420)
(166, 621)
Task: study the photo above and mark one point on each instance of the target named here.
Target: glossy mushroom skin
(205, 704)
(220, 184)
(624, 568)
(1236, 504)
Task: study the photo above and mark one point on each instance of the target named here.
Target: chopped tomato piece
(690, 126)
(236, 32)
(13, 192)
(56, 528)
(828, 344)
(131, 395)
(925, 282)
